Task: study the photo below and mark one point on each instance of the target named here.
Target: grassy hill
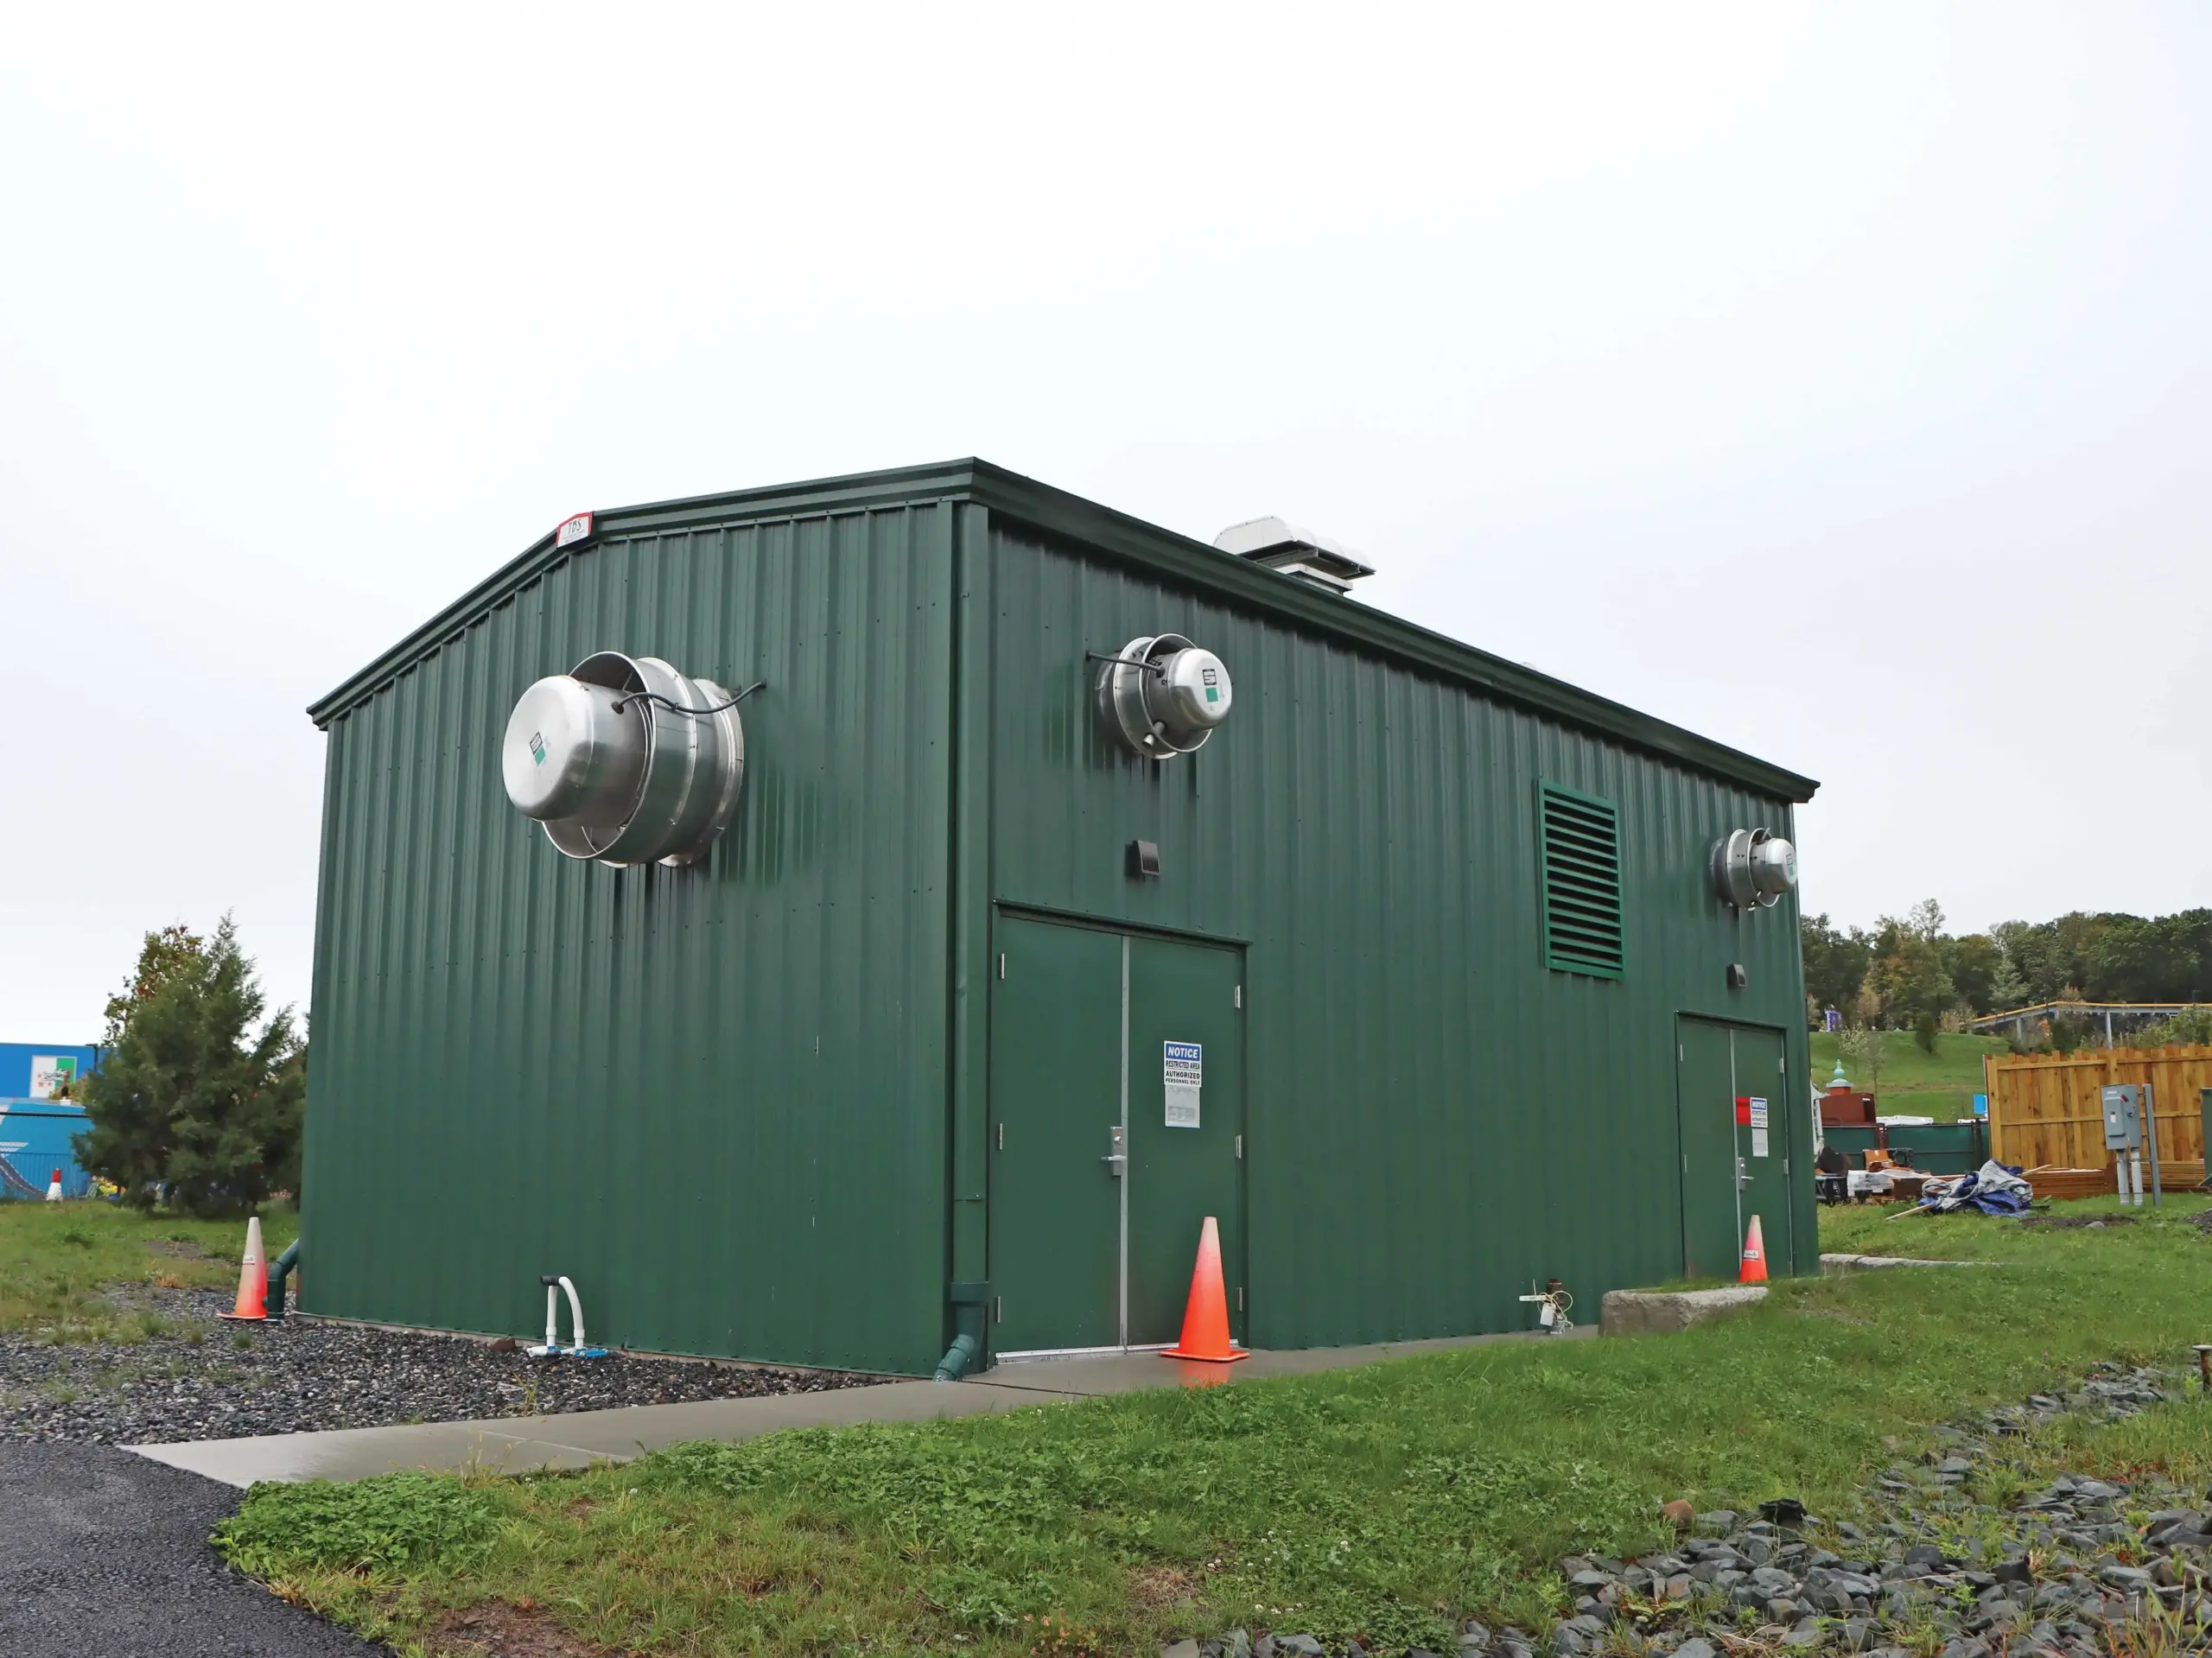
(1914, 1083)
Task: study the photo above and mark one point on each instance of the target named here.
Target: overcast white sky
(1833, 381)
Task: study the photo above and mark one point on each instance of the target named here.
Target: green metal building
(1415, 975)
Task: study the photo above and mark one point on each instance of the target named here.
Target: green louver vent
(1581, 837)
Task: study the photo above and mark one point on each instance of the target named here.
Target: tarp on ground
(1994, 1189)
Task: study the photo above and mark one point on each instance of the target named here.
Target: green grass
(56, 1259)
(1383, 1501)
(1914, 1082)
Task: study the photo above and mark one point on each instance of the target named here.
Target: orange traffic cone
(1754, 1255)
(1205, 1315)
(253, 1279)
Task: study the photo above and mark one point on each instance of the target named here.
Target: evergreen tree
(2006, 987)
(188, 1094)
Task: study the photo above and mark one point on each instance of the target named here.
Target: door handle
(1116, 1158)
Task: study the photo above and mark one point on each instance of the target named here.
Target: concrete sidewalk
(523, 1445)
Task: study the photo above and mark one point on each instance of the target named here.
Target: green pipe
(957, 1357)
(278, 1273)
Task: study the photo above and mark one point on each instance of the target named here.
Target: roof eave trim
(1086, 522)
(1255, 585)
(908, 485)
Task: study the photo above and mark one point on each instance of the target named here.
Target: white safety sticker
(1758, 1126)
(1183, 1072)
(1758, 1142)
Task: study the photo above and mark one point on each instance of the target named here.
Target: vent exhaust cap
(1312, 558)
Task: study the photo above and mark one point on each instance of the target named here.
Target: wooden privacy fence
(2046, 1111)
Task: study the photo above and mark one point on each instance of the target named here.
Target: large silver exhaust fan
(626, 761)
(1752, 868)
(1162, 696)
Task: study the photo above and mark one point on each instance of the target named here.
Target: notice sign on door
(1183, 1069)
(1758, 1126)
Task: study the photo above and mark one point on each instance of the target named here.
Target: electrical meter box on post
(2123, 1107)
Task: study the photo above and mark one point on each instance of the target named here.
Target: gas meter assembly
(626, 761)
(1162, 696)
(1752, 868)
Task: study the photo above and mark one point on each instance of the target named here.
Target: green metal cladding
(745, 1105)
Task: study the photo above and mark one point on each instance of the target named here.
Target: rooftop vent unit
(1296, 552)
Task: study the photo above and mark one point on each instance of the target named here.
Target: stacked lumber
(2065, 1184)
(2176, 1175)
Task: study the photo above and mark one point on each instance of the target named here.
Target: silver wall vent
(1752, 868)
(626, 761)
(1285, 547)
(1162, 696)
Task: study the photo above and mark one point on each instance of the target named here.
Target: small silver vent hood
(1294, 551)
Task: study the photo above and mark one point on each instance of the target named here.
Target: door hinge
(1685, 1162)
(1240, 1144)
(1240, 995)
(1001, 1136)
(1001, 965)
(1239, 1298)
(1679, 1056)
(998, 1309)
(1782, 1066)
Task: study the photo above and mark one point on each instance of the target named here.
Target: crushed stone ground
(212, 1380)
(2082, 1567)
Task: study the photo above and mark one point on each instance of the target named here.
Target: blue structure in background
(36, 1128)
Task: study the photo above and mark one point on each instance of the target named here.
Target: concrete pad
(579, 1439)
(1642, 1313)
(1835, 1265)
(358, 1453)
(1093, 1375)
(638, 1428)
(575, 1439)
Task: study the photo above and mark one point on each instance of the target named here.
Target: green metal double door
(1116, 1127)
(1730, 1091)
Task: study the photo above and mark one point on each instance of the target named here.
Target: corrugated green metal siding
(1435, 1118)
(715, 1097)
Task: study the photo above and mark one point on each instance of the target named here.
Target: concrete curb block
(1837, 1265)
(1641, 1312)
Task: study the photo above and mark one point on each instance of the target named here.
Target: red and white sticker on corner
(573, 530)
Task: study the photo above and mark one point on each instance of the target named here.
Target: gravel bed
(2079, 1568)
(209, 1379)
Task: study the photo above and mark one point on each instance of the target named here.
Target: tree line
(1909, 970)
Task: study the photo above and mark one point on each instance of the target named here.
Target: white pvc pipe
(552, 1314)
(576, 1313)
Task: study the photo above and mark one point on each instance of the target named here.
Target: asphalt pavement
(103, 1552)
